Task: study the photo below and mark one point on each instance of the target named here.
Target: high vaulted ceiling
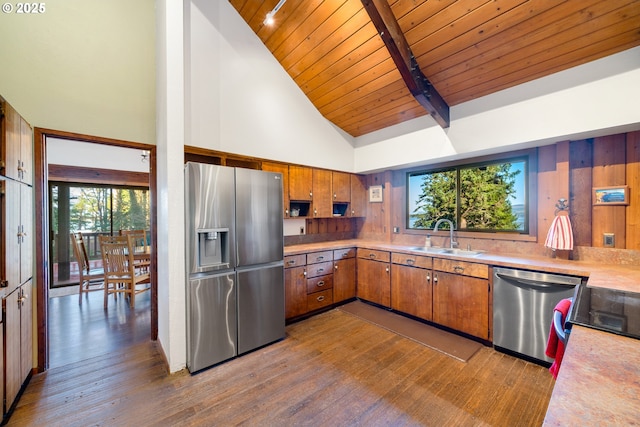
(466, 49)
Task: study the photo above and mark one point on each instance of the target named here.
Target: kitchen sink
(450, 251)
(431, 249)
(461, 252)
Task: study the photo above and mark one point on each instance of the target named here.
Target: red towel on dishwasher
(555, 347)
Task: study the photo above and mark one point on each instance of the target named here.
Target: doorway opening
(53, 177)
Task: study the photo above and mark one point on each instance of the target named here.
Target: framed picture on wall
(618, 195)
(375, 193)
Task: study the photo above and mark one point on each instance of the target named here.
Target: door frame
(41, 228)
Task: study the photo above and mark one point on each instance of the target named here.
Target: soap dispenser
(427, 241)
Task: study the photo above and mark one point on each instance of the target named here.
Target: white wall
(171, 133)
(595, 99)
(242, 101)
(83, 66)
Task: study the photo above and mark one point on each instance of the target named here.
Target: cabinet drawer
(316, 257)
(461, 267)
(373, 254)
(411, 260)
(315, 270)
(295, 260)
(320, 299)
(344, 253)
(319, 283)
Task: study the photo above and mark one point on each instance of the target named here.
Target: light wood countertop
(599, 380)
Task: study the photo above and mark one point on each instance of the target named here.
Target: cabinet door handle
(291, 262)
(320, 270)
(310, 193)
(428, 277)
(387, 269)
(320, 283)
(335, 196)
(458, 269)
(305, 273)
(320, 298)
(372, 256)
(335, 267)
(411, 261)
(435, 279)
(320, 258)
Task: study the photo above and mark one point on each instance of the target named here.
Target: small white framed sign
(375, 193)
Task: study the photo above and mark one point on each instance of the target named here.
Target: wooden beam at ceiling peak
(389, 30)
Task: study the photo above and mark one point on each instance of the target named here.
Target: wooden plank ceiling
(466, 48)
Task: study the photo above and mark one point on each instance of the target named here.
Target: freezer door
(211, 320)
(259, 219)
(209, 217)
(260, 306)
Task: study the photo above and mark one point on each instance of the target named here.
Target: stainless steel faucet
(448, 221)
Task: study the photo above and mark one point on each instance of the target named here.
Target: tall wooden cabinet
(16, 250)
(17, 331)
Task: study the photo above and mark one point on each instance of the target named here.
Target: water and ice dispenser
(213, 248)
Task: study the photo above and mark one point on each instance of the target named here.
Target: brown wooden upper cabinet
(341, 183)
(319, 193)
(300, 183)
(358, 204)
(322, 197)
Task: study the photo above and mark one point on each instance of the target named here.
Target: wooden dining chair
(91, 279)
(121, 276)
(141, 254)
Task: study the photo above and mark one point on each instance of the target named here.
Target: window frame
(531, 188)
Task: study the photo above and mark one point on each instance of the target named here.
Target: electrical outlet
(609, 240)
(396, 230)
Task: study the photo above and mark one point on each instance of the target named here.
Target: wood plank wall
(609, 168)
(553, 185)
(633, 181)
(580, 178)
(604, 162)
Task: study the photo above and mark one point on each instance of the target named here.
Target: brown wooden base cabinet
(461, 294)
(295, 286)
(374, 276)
(319, 280)
(411, 289)
(344, 274)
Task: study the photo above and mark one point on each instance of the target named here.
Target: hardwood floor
(332, 369)
(79, 332)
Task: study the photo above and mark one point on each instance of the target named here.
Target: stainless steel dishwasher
(523, 303)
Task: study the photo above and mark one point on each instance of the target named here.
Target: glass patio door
(93, 210)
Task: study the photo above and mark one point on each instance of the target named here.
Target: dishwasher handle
(530, 282)
(558, 325)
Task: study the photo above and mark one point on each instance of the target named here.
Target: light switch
(609, 240)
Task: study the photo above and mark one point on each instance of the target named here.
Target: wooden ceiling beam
(389, 30)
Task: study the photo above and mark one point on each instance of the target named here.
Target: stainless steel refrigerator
(234, 259)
